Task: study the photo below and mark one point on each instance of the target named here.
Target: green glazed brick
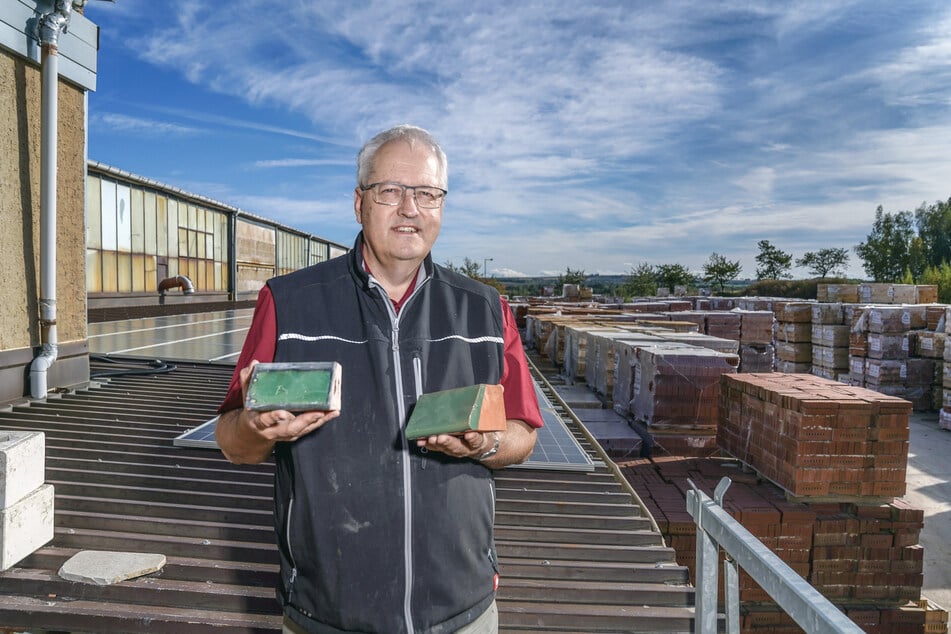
(473, 408)
(296, 387)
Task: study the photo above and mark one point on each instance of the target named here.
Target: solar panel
(555, 448)
(202, 436)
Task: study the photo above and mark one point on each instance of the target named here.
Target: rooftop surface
(578, 552)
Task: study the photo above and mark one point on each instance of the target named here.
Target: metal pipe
(50, 27)
(179, 281)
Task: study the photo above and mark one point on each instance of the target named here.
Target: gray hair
(409, 133)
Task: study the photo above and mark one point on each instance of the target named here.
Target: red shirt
(519, 389)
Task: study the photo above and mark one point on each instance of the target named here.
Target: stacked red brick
(815, 437)
(867, 551)
(864, 558)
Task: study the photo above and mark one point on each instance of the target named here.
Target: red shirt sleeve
(521, 402)
(258, 346)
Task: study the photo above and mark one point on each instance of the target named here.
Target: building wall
(20, 109)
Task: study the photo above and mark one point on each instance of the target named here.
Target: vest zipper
(407, 466)
(290, 550)
(407, 474)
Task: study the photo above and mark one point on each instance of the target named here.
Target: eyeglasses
(389, 193)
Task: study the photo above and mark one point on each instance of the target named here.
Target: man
(377, 533)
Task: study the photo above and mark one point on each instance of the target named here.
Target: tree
(719, 270)
(670, 276)
(934, 229)
(773, 263)
(940, 276)
(469, 268)
(572, 277)
(824, 261)
(885, 253)
(641, 282)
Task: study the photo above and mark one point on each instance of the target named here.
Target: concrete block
(22, 464)
(26, 526)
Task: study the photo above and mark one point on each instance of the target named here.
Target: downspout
(50, 27)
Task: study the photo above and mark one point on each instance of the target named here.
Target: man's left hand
(471, 444)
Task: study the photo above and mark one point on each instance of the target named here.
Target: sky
(595, 136)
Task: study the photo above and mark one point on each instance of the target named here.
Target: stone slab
(103, 567)
(26, 526)
(22, 464)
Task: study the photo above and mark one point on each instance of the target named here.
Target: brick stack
(793, 340)
(878, 293)
(830, 341)
(891, 335)
(868, 552)
(848, 293)
(626, 370)
(814, 437)
(863, 558)
(602, 364)
(757, 353)
(723, 324)
(678, 389)
(944, 415)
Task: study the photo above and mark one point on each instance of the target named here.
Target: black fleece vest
(373, 532)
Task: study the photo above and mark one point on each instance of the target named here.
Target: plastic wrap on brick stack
(814, 437)
(577, 339)
(757, 353)
(892, 366)
(885, 293)
(837, 293)
(944, 415)
(601, 365)
(626, 370)
(793, 337)
(675, 390)
(830, 341)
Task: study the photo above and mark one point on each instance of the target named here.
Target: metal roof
(578, 552)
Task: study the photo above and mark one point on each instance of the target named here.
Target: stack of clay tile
(864, 558)
(794, 337)
(814, 437)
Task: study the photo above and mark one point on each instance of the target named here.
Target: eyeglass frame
(403, 187)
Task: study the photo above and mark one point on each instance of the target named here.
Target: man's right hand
(247, 436)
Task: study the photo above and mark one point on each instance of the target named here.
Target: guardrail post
(706, 581)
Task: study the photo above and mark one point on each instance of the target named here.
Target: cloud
(299, 162)
(592, 135)
(116, 123)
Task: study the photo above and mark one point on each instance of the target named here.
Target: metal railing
(717, 529)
